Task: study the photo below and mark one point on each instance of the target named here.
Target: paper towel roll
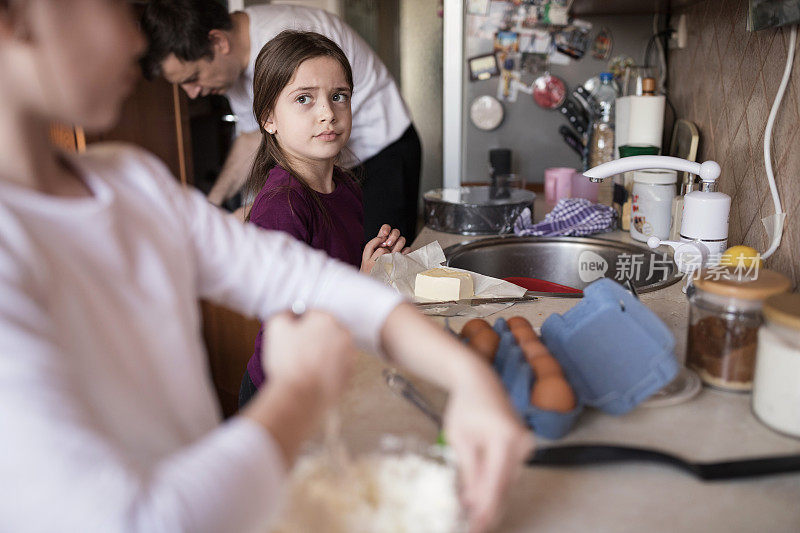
(639, 120)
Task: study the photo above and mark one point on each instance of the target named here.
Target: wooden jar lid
(783, 309)
(758, 285)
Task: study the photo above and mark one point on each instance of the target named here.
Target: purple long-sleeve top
(284, 204)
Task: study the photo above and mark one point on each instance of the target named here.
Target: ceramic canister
(776, 386)
(651, 208)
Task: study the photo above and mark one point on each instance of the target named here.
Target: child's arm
(259, 273)
(302, 386)
(480, 424)
(387, 241)
(63, 470)
(262, 273)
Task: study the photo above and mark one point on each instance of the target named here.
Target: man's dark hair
(180, 27)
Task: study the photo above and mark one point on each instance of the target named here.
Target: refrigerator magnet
(505, 43)
(477, 7)
(509, 81)
(549, 91)
(486, 113)
(602, 44)
(483, 67)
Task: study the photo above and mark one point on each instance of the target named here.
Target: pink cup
(583, 188)
(557, 184)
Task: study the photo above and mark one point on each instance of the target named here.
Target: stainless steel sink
(571, 261)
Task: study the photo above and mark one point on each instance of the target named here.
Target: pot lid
(478, 195)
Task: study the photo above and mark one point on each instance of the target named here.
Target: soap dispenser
(704, 224)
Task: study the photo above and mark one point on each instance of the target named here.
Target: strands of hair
(180, 27)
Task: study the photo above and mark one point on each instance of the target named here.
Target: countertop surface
(712, 426)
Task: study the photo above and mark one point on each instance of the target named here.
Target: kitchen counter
(622, 497)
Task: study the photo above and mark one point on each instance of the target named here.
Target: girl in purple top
(302, 85)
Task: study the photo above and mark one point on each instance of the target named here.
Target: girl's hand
(308, 352)
(309, 360)
(387, 241)
(489, 442)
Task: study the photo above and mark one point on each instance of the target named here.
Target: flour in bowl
(406, 493)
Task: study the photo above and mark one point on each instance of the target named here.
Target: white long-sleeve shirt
(108, 419)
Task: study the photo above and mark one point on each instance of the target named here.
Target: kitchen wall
(378, 23)
(421, 82)
(528, 130)
(725, 82)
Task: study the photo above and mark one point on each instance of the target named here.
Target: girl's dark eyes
(338, 98)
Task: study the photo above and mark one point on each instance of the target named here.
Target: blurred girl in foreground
(107, 414)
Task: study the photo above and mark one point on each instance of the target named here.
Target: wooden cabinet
(229, 339)
(582, 8)
(156, 118)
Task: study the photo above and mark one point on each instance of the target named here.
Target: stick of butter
(443, 284)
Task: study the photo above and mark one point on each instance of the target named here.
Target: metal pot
(475, 210)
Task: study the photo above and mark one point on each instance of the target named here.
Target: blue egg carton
(614, 352)
(518, 378)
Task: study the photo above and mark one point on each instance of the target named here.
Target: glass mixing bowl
(403, 484)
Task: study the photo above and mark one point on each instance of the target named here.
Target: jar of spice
(724, 317)
(776, 386)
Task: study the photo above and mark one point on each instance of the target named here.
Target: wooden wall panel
(229, 339)
(155, 117)
(64, 137)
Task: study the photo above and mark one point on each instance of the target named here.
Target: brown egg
(553, 394)
(474, 326)
(485, 343)
(524, 334)
(546, 366)
(518, 322)
(532, 349)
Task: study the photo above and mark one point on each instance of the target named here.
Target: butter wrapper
(400, 272)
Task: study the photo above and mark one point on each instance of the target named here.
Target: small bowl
(360, 495)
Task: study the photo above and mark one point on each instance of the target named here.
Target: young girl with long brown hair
(302, 86)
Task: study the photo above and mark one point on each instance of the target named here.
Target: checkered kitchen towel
(571, 216)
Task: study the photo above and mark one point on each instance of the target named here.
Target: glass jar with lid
(724, 317)
(776, 385)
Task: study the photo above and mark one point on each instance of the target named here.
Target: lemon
(741, 256)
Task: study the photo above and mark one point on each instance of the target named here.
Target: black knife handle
(572, 139)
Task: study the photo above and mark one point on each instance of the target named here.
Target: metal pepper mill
(499, 165)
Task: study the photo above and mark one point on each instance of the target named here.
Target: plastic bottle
(601, 138)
